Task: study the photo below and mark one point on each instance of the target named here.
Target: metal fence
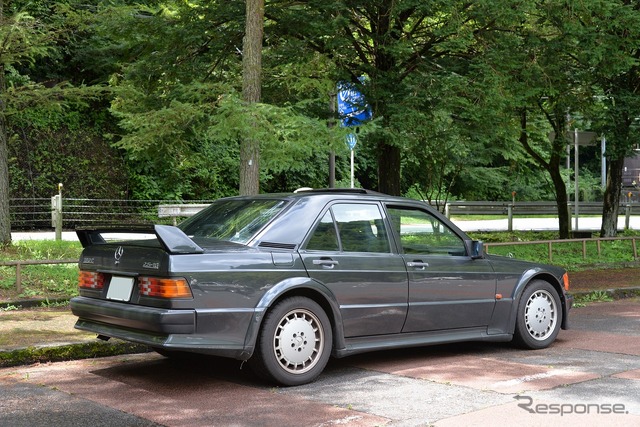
(550, 243)
(37, 213)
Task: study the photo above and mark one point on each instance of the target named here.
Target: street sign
(352, 107)
(353, 110)
(351, 140)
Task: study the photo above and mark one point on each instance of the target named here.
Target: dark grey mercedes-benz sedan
(287, 280)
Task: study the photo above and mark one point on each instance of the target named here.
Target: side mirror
(476, 249)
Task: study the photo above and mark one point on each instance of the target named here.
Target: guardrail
(510, 209)
(37, 213)
(176, 211)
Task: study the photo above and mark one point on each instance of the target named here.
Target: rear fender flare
(303, 286)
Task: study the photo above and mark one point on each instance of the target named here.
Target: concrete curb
(68, 351)
(615, 293)
(33, 303)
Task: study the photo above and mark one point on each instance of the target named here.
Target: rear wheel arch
(303, 287)
(294, 340)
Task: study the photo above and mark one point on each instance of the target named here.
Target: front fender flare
(518, 289)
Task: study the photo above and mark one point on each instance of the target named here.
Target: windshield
(232, 220)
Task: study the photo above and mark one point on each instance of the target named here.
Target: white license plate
(120, 288)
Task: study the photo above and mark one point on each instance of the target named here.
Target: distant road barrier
(456, 208)
(510, 209)
(176, 211)
(39, 213)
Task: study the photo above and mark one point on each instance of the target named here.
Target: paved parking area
(590, 376)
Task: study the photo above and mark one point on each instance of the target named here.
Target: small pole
(510, 211)
(19, 278)
(627, 216)
(576, 179)
(58, 213)
(352, 139)
(603, 162)
(352, 168)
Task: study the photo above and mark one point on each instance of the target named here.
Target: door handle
(417, 264)
(325, 262)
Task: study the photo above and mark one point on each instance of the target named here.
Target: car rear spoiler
(171, 238)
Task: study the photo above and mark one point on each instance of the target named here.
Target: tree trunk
(251, 92)
(389, 156)
(388, 169)
(611, 200)
(552, 166)
(5, 221)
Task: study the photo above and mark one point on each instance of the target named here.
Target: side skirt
(416, 339)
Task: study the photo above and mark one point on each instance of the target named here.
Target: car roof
(354, 193)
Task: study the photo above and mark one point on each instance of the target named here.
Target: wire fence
(36, 213)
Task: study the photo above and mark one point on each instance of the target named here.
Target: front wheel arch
(539, 315)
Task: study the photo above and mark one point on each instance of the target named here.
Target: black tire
(294, 343)
(539, 316)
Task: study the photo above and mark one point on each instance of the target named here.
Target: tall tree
(622, 133)
(532, 60)
(5, 222)
(251, 90)
(608, 33)
(388, 42)
(22, 38)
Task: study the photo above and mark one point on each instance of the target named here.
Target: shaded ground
(604, 279)
(39, 326)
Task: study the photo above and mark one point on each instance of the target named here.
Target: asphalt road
(590, 376)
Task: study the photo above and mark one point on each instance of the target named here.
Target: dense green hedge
(69, 147)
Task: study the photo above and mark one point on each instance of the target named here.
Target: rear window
(232, 220)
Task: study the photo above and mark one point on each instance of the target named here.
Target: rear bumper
(154, 320)
(220, 333)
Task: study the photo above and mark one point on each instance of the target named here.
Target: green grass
(40, 281)
(566, 254)
(51, 282)
(40, 249)
(595, 296)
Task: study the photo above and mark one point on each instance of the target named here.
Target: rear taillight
(90, 280)
(164, 288)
